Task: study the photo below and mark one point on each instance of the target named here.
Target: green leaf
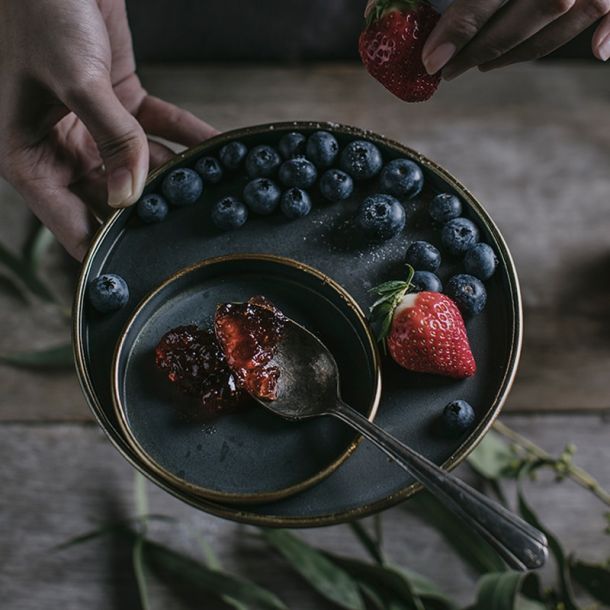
(58, 357)
(390, 287)
(426, 589)
(373, 597)
(35, 248)
(140, 572)
(523, 603)
(502, 591)
(320, 572)
(213, 563)
(106, 530)
(11, 288)
(563, 568)
(24, 273)
(372, 546)
(121, 527)
(140, 495)
(183, 572)
(382, 311)
(594, 579)
(467, 544)
(493, 458)
(394, 585)
(382, 582)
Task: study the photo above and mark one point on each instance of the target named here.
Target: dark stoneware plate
(410, 404)
(249, 455)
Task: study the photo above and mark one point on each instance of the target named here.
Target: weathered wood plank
(61, 480)
(539, 166)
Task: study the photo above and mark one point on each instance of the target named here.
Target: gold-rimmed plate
(249, 455)
(146, 255)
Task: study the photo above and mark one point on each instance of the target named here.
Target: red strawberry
(391, 47)
(424, 332)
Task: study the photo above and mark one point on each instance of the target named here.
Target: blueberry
(468, 292)
(209, 169)
(423, 256)
(445, 207)
(262, 195)
(459, 235)
(292, 145)
(322, 149)
(480, 261)
(232, 155)
(182, 186)
(402, 178)
(381, 216)
(262, 161)
(336, 185)
(426, 281)
(296, 203)
(229, 213)
(299, 173)
(152, 208)
(361, 160)
(108, 292)
(458, 417)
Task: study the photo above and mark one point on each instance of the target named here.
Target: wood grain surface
(531, 142)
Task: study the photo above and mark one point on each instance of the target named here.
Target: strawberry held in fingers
(391, 47)
(424, 331)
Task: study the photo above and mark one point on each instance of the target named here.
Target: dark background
(259, 30)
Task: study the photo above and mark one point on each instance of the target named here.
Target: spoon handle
(522, 546)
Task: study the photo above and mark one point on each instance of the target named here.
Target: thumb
(119, 137)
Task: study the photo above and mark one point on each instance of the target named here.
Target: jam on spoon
(249, 334)
(193, 360)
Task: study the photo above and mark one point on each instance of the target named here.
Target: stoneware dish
(249, 455)
(147, 255)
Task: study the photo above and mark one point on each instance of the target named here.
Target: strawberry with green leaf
(391, 47)
(423, 331)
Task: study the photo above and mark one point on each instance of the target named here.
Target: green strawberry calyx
(376, 10)
(390, 295)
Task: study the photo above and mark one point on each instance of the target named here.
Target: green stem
(140, 500)
(577, 474)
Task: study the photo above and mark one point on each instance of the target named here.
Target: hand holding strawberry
(391, 47)
(424, 332)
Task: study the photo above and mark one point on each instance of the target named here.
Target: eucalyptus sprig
(563, 465)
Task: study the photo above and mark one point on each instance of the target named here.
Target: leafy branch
(563, 465)
(24, 283)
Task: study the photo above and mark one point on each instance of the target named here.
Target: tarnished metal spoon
(309, 387)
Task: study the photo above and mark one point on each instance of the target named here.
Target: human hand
(74, 115)
(496, 33)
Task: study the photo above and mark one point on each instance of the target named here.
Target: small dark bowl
(250, 455)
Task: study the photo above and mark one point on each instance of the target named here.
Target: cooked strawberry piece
(192, 359)
(249, 334)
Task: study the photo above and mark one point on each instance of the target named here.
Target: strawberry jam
(194, 362)
(249, 334)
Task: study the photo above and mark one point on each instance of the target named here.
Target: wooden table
(532, 142)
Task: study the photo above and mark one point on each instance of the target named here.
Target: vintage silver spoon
(309, 387)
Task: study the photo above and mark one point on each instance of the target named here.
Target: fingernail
(120, 188)
(604, 49)
(437, 59)
(451, 74)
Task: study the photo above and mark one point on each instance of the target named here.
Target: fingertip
(602, 50)
(439, 57)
